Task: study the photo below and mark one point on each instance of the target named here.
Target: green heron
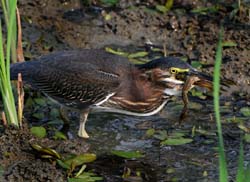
(98, 80)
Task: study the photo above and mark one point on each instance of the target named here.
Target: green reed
(8, 51)
(243, 175)
(216, 94)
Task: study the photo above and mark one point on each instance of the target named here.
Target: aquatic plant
(6, 53)
(242, 174)
(222, 159)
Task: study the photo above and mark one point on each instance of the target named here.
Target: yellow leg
(83, 118)
(64, 114)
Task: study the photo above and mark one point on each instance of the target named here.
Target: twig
(20, 57)
(4, 119)
(20, 93)
(165, 50)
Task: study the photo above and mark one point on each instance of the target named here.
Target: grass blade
(5, 84)
(241, 173)
(247, 173)
(222, 159)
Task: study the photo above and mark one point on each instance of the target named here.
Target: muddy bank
(20, 161)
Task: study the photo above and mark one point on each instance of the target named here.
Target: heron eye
(173, 70)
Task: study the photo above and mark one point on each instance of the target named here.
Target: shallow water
(196, 161)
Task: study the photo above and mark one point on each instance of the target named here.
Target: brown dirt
(20, 161)
(48, 26)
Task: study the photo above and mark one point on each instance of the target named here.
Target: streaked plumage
(87, 79)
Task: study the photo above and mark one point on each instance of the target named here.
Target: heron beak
(206, 81)
(203, 80)
(182, 77)
(190, 78)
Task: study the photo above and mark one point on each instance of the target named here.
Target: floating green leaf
(196, 64)
(161, 8)
(38, 131)
(81, 170)
(150, 132)
(176, 141)
(86, 177)
(107, 17)
(126, 173)
(205, 10)
(176, 108)
(229, 44)
(245, 111)
(80, 159)
(177, 135)
(138, 54)
(28, 102)
(138, 60)
(235, 120)
(205, 132)
(169, 4)
(149, 10)
(243, 127)
(116, 52)
(197, 93)
(170, 170)
(90, 175)
(205, 174)
(46, 152)
(195, 106)
(208, 142)
(62, 164)
(40, 101)
(54, 113)
(110, 2)
(247, 138)
(161, 135)
(225, 109)
(38, 115)
(127, 154)
(59, 136)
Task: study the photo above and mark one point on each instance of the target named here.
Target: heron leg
(64, 116)
(83, 118)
